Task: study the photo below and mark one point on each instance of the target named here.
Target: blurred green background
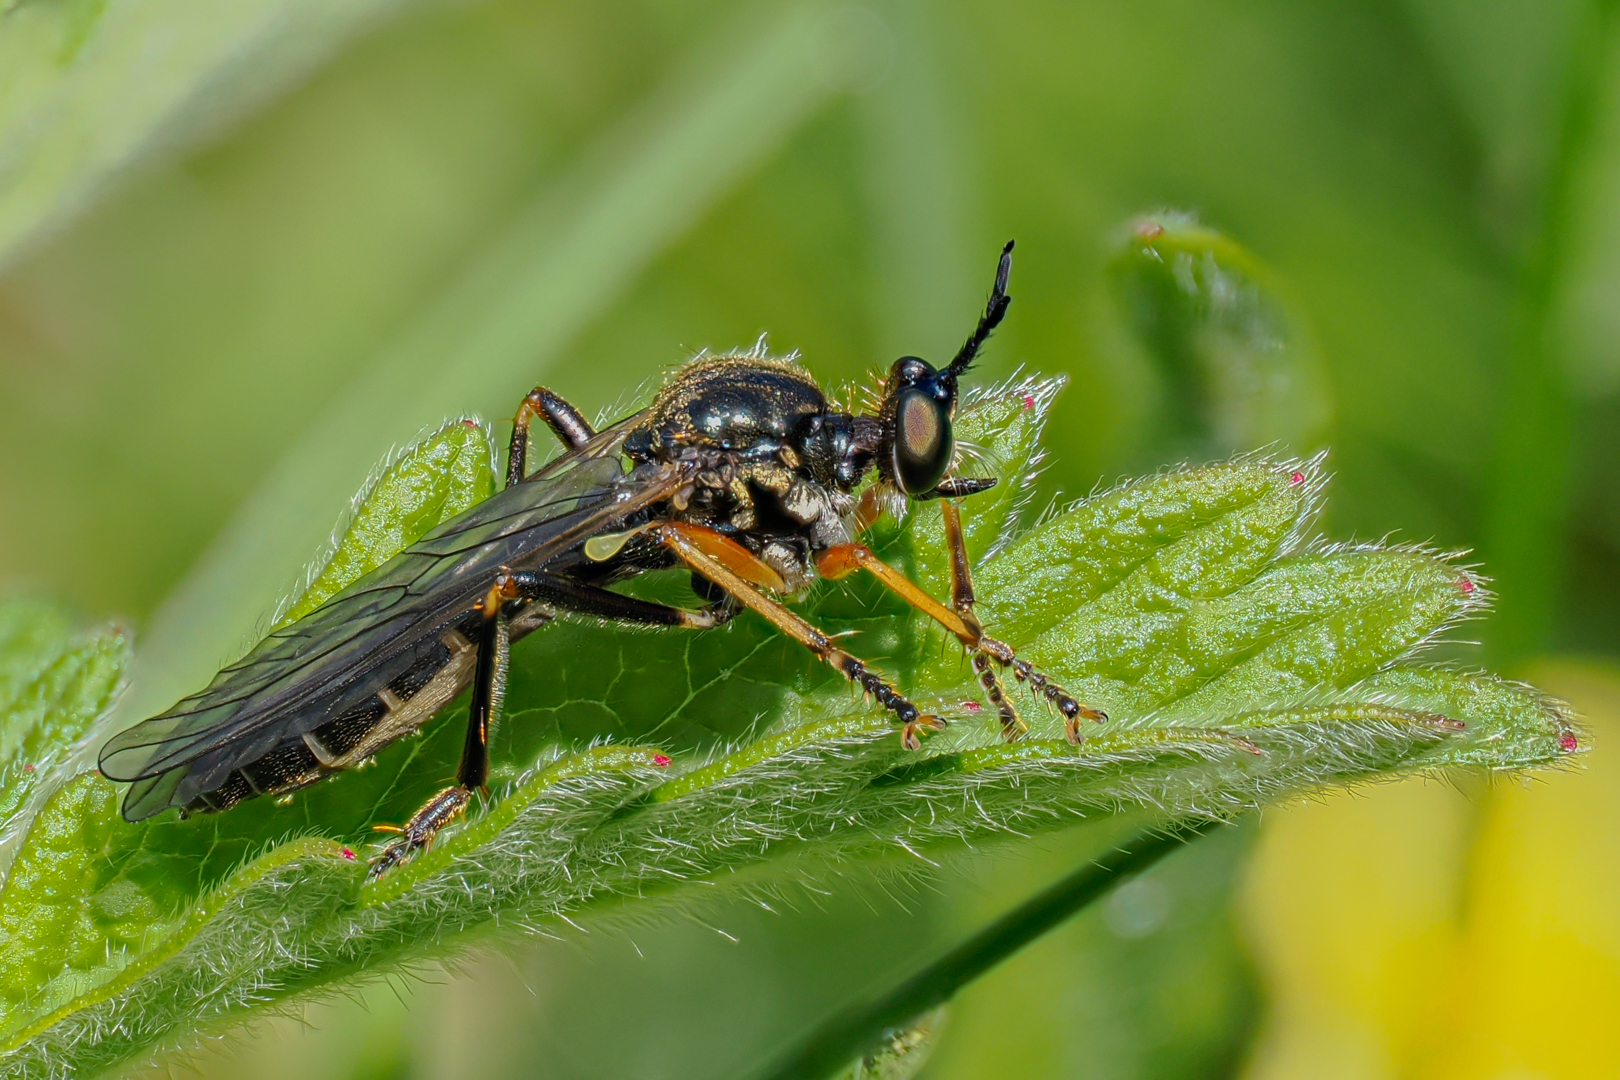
(245, 248)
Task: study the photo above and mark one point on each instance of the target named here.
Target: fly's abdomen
(286, 768)
(435, 671)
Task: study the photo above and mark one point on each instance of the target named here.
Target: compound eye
(922, 442)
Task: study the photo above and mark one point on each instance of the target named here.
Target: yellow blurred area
(1415, 930)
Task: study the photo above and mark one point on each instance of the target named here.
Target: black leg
(488, 691)
(565, 421)
(489, 685)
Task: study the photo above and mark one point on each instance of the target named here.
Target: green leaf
(60, 917)
(1238, 363)
(54, 683)
(1240, 662)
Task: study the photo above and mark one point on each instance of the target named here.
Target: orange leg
(844, 559)
(739, 572)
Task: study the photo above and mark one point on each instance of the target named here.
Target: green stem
(859, 1028)
(1525, 521)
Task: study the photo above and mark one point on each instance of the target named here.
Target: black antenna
(994, 312)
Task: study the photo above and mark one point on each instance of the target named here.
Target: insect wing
(301, 675)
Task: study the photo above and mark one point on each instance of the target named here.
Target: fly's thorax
(836, 449)
(772, 463)
(737, 404)
(762, 496)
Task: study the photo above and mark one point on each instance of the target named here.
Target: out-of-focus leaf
(1238, 366)
(1502, 62)
(90, 87)
(1239, 662)
(1150, 982)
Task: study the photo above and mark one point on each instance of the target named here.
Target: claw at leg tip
(911, 732)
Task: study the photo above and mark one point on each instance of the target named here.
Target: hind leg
(489, 687)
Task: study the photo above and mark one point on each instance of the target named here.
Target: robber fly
(739, 471)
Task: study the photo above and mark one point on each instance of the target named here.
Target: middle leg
(489, 685)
